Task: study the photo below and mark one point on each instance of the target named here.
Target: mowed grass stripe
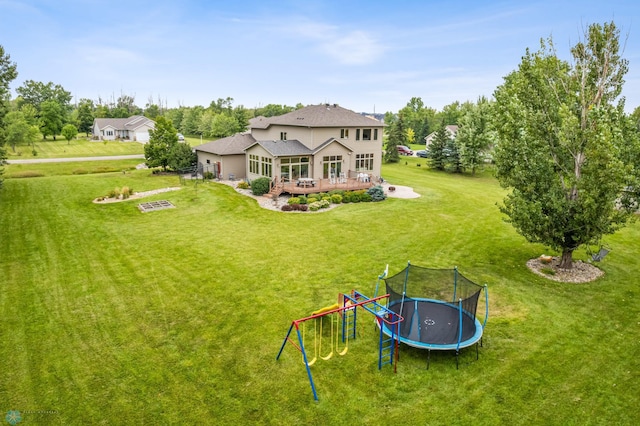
(177, 315)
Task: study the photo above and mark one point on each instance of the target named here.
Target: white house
(452, 131)
(134, 128)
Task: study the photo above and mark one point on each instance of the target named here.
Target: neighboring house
(451, 129)
(316, 142)
(134, 128)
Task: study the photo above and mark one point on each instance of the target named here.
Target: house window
(109, 132)
(366, 134)
(331, 166)
(254, 162)
(266, 166)
(208, 161)
(357, 134)
(344, 133)
(294, 167)
(375, 134)
(283, 136)
(364, 162)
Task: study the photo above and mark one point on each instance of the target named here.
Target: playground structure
(342, 320)
(433, 309)
(439, 309)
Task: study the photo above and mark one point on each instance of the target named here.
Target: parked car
(423, 153)
(180, 137)
(404, 150)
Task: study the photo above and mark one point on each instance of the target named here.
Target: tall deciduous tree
(162, 141)
(85, 116)
(51, 118)
(559, 142)
(8, 73)
(474, 135)
(37, 92)
(19, 130)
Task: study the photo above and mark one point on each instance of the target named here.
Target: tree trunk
(566, 262)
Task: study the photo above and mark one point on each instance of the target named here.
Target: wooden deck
(324, 185)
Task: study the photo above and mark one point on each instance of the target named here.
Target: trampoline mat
(434, 323)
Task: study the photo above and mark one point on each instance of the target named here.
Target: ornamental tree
(162, 141)
(563, 147)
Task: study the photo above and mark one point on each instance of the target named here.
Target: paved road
(68, 160)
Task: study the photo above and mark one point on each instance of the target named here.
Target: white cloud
(354, 48)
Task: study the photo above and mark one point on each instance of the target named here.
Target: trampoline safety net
(431, 296)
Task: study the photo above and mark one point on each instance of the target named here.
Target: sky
(367, 56)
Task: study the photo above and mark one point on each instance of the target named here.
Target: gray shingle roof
(131, 123)
(284, 148)
(324, 115)
(230, 145)
(328, 142)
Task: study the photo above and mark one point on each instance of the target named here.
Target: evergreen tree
(438, 149)
(397, 136)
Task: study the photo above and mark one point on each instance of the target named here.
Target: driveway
(69, 160)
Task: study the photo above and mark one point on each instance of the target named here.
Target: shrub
(312, 200)
(114, 193)
(208, 175)
(293, 200)
(298, 207)
(324, 203)
(336, 198)
(323, 195)
(260, 186)
(242, 184)
(366, 198)
(286, 208)
(126, 192)
(315, 206)
(303, 199)
(327, 199)
(376, 193)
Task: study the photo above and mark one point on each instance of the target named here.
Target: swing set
(337, 323)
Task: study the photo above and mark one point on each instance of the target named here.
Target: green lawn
(81, 147)
(111, 316)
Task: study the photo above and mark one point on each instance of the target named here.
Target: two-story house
(316, 144)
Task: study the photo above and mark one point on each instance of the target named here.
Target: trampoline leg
(428, 358)
(477, 354)
(457, 353)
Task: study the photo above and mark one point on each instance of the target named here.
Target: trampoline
(438, 306)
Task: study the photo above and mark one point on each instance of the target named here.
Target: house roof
(231, 145)
(328, 142)
(286, 148)
(324, 115)
(131, 123)
(451, 128)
